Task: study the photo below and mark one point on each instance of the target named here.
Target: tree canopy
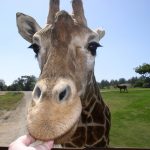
(143, 70)
(24, 83)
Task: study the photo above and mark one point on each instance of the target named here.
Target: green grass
(10, 100)
(130, 117)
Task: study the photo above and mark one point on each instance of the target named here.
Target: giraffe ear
(101, 33)
(27, 26)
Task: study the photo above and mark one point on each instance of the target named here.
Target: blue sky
(125, 45)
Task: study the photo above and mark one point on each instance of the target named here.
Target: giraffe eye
(36, 48)
(92, 46)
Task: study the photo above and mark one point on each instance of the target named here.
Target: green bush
(146, 85)
(139, 83)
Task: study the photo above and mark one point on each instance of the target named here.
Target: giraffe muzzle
(54, 111)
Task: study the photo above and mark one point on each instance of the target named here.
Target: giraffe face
(65, 51)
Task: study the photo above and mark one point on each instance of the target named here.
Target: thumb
(25, 140)
(21, 143)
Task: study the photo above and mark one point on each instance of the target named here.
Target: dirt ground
(13, 123)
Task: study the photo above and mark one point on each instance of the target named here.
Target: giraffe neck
(94, 125)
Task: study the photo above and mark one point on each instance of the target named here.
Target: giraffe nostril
(37, 93)
(64, 94)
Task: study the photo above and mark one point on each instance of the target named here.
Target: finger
(21, 143)
(49, 144)
(25, 140)
(45, 146)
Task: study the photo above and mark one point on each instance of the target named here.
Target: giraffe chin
(62, 138)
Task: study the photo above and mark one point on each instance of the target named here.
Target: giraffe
(66, 105)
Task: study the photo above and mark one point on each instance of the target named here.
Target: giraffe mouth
(60, 139)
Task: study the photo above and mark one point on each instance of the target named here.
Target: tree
(3, 86)
(132, 81)
(24, 83)
(17, 85)
(29, 82)
(113, 83)
(143, 70)
(104, 84)
(122, 81)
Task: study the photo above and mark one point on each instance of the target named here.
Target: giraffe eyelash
(36, 49)
(92, 46)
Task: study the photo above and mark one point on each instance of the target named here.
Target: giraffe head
(65, 49)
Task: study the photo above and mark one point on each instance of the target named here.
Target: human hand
(24, 142)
